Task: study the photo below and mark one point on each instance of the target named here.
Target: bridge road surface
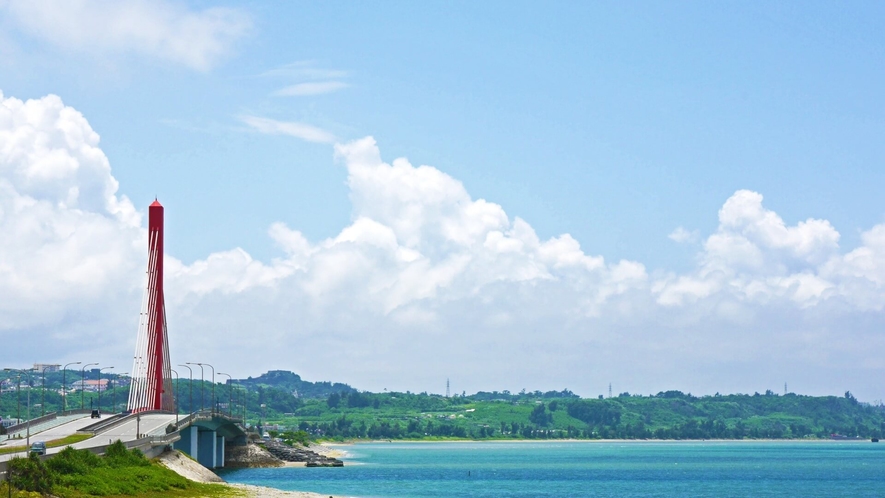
(151, 424)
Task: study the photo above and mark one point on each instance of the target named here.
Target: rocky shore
(250, 456)
(309, 457)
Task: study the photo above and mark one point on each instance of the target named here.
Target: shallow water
(624, 469)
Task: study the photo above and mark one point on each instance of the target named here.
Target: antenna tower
(447, 388)
(609, 389)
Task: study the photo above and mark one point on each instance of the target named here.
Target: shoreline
(587, 441)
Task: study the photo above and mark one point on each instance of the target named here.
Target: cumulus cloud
(290, 128)
(68, 238)
(428, 282)
(162, 29)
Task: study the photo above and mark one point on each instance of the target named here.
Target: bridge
(152, 423)
(203, 435)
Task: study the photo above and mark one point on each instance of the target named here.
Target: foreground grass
(121, 472)
(198, 491)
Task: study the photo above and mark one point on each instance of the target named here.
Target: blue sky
(628, 127)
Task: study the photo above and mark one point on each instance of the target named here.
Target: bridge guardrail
(101, 424)
(33, 421)
(41, 419)
(121, 419)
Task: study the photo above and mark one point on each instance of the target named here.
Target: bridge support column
(189, 442)
(219, 451)
(207, 452)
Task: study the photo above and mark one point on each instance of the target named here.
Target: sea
(580, 468)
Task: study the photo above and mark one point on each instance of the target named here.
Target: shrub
(70, 461)
(30, 474)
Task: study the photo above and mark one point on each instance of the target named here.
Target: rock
(250, 456)
(311, 458)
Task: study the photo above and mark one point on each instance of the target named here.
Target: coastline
(343, 454)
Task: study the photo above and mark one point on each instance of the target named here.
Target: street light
(64, 387)
(190, 406)
(43, 391)
(99, 387)
(114, 393)
(174, 397)
(28, 442)
(214, 400)
(230, 393)
(243, 400)
(83, 383)
(201, 381)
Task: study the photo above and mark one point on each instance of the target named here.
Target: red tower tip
(156, 203)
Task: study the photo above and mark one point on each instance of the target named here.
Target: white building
(50, 367)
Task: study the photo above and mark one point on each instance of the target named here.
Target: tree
(539, 415)
(334, 400)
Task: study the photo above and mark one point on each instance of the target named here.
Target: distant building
(50, 367)
(90, 386)
(9, 422)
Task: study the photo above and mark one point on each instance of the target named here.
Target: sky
(509, 195)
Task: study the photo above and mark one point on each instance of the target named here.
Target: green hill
(667, 415)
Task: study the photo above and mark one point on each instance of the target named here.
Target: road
(153, 424)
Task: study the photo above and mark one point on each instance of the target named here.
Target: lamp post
(201, 381)
(83, 383)
(43, 391)
(243, 392)
(214, 399)
(99, 387)
(174, 395)
(64, 387)
(18, 399)
(230, 393)
(28, 441)
(190, 406)
(114, 393)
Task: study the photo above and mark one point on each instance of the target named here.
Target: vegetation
(120, 472)
(666, 415)
(326, 410)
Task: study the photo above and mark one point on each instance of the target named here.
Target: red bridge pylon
(151, 387)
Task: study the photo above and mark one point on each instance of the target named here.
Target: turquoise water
(632, 469)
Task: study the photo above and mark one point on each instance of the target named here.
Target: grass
(197, 490)
(55, 443)
(120, 472)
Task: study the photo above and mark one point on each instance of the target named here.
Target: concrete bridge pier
(207, 451)
(219, 451)
(189, 442)
(205, 439)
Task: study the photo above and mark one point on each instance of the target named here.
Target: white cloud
(68, 239)
(290, 128)
(162, 29)
(682, 236)
(305, 70)
(311, 88)
(428, 282)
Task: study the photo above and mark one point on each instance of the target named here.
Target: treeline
(294, 385)
(667, 415)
